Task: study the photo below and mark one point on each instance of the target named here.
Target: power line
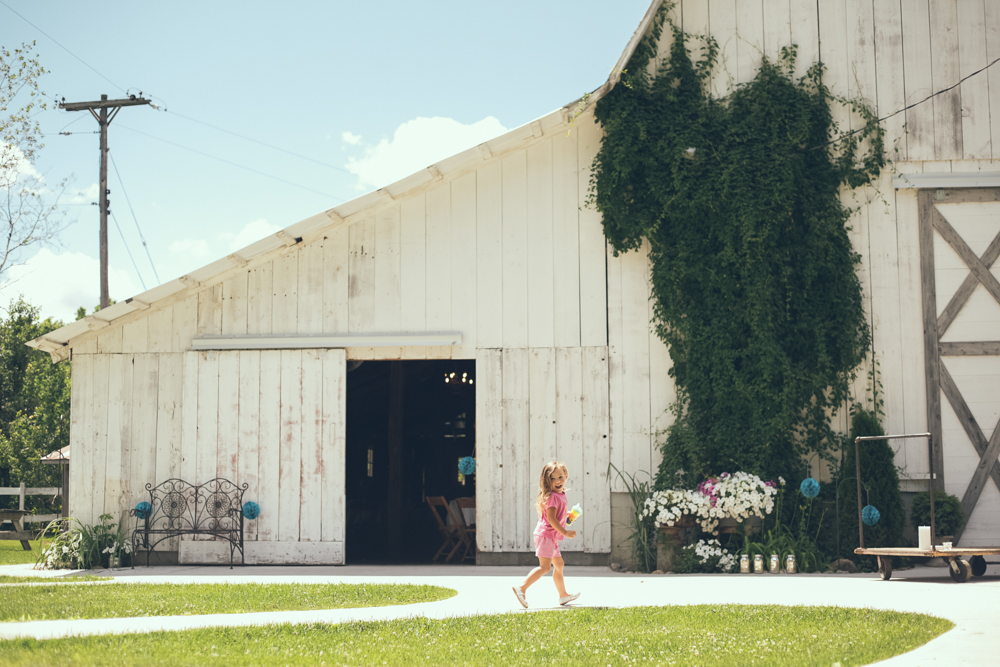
(235, 164)
(62, 47)
(134, 219)
(118, 227)
(899, 111)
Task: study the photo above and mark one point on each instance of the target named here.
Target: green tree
(34, 401)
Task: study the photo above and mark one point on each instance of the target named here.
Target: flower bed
(737, 496)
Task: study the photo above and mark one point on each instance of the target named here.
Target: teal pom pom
(809, 487)
(251, 510)
(142, 509)
(467, 465)
(870, 515)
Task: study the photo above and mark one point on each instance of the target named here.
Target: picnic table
(15, 517)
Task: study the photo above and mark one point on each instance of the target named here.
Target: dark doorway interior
(435, 430)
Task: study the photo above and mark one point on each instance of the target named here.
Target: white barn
(239, 369)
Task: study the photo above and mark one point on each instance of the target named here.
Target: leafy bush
(880, 488)
(789, 531)
(79, 546)
(948, 514)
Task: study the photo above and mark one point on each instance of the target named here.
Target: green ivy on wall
(753, 276)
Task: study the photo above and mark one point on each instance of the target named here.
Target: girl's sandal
(520, 597)
(569, 598)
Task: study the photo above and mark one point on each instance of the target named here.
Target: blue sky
(364, 92)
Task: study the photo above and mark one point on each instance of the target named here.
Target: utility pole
(103, 119)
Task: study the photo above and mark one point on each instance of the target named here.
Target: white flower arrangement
(729, 496)
(711, 549)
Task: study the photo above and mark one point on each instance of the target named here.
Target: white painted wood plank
(489, 450)
(290, 481)
(86, 347)
(635, 361)
(541, 304)
(110, 342)
(228, 452)
(889, 76)
(593, 253)
(119, 430)
(569, 425)
(234, 304)
(248, 459)
(722, 24)
(515, 250)
(269, 452)
(694, 15)
(259, 299)
(81, 488)
(210, 311)
(265, 553)
(185, 323)
(135, 336)
(336, 261)
(413, 271)
(595, 526)
(439, 265)
(97, 422)
(489, 257)
(805, 34)
(388, 307)
(542, 422)
(566, 239)
(917, 51)
(992, 21)
(361, 285)
(975, 92)
(334, 446)
(206, 467)
(662, 391)
(310, 496)
(516, 428)
(189, 417)
(616, 370)
(310, 291)
(750, 43)
(777, 28)
(861, 54)
(142, 455)
(161, 330)
(945, 72)
(169, 401)
(284, 294)
(463, 275)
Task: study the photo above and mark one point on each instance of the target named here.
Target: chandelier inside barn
(452, 378)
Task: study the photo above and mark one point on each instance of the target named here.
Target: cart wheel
(978, 564)
(960, 570)
(885, 567)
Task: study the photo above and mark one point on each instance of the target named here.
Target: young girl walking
(551, 529)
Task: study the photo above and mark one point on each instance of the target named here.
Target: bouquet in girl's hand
(574, 514)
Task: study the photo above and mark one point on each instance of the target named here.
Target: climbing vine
(753, 276)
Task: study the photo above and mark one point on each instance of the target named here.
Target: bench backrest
(214, 506)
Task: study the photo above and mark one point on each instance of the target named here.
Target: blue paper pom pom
(870, 515)
(251, 510)
(142, 509)
(467, 465)
(809, 487)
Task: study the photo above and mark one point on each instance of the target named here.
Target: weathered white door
(959, 246)
(274, 420)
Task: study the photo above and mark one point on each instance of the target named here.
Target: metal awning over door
(959, 246)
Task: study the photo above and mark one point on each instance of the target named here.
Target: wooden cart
(963, 563)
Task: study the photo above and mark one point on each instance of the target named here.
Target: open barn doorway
(408, 425)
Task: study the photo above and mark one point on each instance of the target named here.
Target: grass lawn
(34, 603)
(12, 553)
(72, 579)
(700, 635)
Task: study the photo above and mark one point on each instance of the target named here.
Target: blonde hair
(545, 484)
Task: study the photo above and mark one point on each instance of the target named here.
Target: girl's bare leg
(543, 567)
(557, 576)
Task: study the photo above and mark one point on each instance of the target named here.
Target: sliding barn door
(274, 420)
(959, 246)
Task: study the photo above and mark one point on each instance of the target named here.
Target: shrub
(78, 546)
(948, 514)
(880, 488)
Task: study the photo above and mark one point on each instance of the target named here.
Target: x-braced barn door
(959, 244)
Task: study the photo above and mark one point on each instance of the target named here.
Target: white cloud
(15, 166)
(60, 283)
(251, 233)
(194, 248)
(86, 195)
(416, 144)
(352, 139)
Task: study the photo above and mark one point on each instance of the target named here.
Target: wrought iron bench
(177, 508)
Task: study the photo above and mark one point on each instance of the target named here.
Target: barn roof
(58, 342)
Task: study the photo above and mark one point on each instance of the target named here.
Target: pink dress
(546, 537)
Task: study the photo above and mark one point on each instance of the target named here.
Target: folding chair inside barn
(450, 533)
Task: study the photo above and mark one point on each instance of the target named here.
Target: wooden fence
(22, 491)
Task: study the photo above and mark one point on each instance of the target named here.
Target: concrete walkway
(974, 607)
